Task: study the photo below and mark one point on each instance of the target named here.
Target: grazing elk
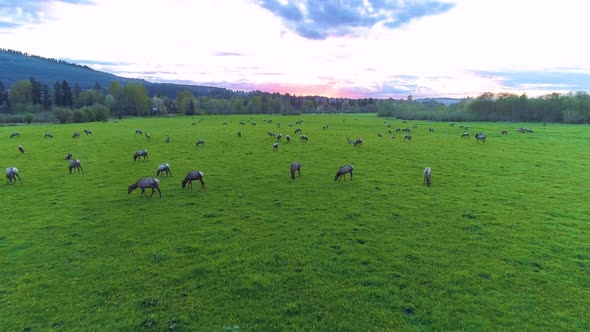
(465, 135)
(480, 137)
(193, 175)
(144, 183)
(164, 168)
(275, 147)
(407, 137)
(75, 164)
(76, 135)
(359, 141)
(341, 174)
(68, 156)
(295, 167)
(428, 176)
(304, 138)
(141, 153)
(15, 134)
(200, 142)
(48, 135)
(87, 132)
(21, 149)
(12, 175)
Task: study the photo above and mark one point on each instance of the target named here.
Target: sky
(334, 48)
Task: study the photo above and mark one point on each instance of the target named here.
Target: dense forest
(43, 100)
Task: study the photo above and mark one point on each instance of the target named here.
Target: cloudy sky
(348, 48)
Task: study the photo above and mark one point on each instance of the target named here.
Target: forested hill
(16, 66)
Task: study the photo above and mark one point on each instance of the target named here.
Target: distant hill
(16, 66)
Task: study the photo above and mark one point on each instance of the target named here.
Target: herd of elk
(75, 165)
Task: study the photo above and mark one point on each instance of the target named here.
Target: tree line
(32, 100)
(554, 107)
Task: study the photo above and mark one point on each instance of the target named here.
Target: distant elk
(428, 176)
(295, 167)
(75, 165)
(15, 134)
(504, 132)
(164, 168)
(341, 174)
(465, 135)
(148, 136)
(68, 156)
(48, 135)
(358, 141)
(288, 138)
(298, 131)
(144, 183)
(200, 142)
(525, 130)
(138, 131)
(87, 132)
(275, 147)
(21, 149)
(12, 175)
(304, 138)
(407, 137)
(76, 135)
(480, 137)
(141, 153)
(191, 176)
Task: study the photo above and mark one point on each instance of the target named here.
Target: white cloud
(238, 41)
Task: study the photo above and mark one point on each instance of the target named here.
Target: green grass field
(500, 241)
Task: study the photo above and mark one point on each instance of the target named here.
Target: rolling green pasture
(501, 241)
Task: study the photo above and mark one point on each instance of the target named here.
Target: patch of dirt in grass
(409, 311)
(536, 267)
(485, 276)
(151, 324)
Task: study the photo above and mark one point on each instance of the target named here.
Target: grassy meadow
(500, 241)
